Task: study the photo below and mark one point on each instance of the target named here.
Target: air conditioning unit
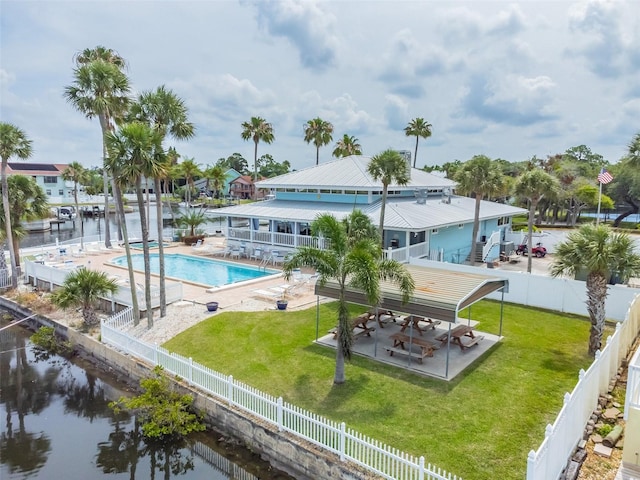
(421, 196)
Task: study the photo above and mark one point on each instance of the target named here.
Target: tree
(190, 170)
(626, 183)
(417, 127)
(257, 129)
(133, 148)
(347, 146)
(388, 167)
(166, 113)
(164, 413)
(533, 186)
(77, 174)
(235, 161)
(193, 220)
(353, 258)
(13, 142)
(27, 201)
(318, 131)
(82, 288)
(100, 89)
(215, 176)
(270, 168)
(602, 253)
(479, 177)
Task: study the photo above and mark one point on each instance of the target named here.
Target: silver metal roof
(349, 172)
(400, 214)
(439, 294)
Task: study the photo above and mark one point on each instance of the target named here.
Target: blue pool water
(197, 270)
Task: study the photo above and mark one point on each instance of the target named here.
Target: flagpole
(599, 200)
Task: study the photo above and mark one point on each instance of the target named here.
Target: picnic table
(415, 321)
(381, 316)
(359, 325)
(401, 339)
(457, 335)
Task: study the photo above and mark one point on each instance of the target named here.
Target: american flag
(604, 177)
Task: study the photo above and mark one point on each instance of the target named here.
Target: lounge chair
(267, 294)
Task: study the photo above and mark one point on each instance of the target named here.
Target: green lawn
(479, 426)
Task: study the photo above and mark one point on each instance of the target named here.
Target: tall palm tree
(82, 288)
(27, 201)
(353, 259)
(347, 145)
(479, 177)
(215, 176)
(534, 185)
(320, 132)
(77, 174)
(100, 89)
(134, 147)
(417, 127)
(13, 142)
(166, 113)
(388, 167)
(602, 253)
(634, 150)
(190, 170)
(257, 129)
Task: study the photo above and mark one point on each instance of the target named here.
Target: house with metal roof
(424, 218)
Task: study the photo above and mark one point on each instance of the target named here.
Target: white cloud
(396, 112)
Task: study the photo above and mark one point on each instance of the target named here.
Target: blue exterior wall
(454, 241)
(361, 198)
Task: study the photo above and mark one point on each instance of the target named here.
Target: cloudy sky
(508, 80)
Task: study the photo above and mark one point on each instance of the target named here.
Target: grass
(480, 425)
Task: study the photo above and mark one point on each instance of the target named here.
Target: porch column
(407, 242)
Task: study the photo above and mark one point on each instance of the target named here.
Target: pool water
(138, 245)
(195, 269)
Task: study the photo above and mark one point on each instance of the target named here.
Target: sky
(505, 79)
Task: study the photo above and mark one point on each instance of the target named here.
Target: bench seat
(419, 355)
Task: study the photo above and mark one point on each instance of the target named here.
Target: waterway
(57, 424)
(93, 228)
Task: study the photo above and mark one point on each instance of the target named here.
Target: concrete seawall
(284, 451)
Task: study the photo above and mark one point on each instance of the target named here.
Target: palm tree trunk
(383, 209)
(415, 155)
(532, 212)
(596, 295)
(474, 233)
(75, 199)
(105, 182)
(344, 339)
(163, 293)
(317, 156)
(7, 224)
(145, 252)
(127, 249)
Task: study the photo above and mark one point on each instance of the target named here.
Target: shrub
(45, 339)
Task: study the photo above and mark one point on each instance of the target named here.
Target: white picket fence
(563, 436)
(334, 436)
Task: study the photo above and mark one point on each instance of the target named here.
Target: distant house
(423, 218)
(48, 176)
(243, 188)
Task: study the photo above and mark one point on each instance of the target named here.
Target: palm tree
(193, 220)
(82, 288)
(479, 177)
(190, 170)
(389, 167)
(417, 128)
(133, 148)
(77, 174)
(319, 132)
(634, 150)
(166, 113)
(602, 253)
(13, 142)
(534, 185)
(27, 201)
(215, 176)
(100, 89)
(257, 129)
(353, 259)
(347, 146)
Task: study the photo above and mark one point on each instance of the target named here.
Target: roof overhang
(439, 294)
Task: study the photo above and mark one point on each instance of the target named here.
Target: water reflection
(58, 425)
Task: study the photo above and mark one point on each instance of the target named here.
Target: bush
(45, 339)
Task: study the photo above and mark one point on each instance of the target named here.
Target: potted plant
(212, 306)
(282, 303)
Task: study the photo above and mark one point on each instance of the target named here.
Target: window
(434, 231)
(461, 225)
(48, 192)
(61, 193)
(50, 179)
(503, 221)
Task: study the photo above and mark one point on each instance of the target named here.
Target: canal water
(57, 424)
(93, 227)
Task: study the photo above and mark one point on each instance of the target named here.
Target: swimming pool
(197, 270)
(138, 245)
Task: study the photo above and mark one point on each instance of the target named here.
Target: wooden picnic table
(401, 339)
(359, 325)
(457, 334)
(415, 320)
(381, 316)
